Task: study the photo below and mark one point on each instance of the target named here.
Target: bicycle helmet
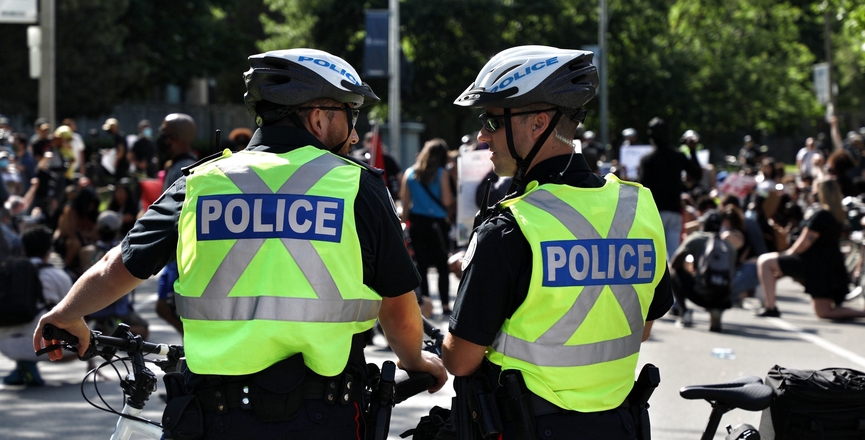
(691, 135)
(629, 132)
(525, 75)
(289, 78)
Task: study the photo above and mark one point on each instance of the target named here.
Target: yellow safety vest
(269, 262)
(597, 255)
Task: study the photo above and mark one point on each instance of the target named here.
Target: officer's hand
(76, 326)
(432, 364)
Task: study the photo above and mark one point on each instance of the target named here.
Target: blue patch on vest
(598, 262)
(240, 216)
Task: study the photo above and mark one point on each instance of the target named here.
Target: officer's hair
(565, 127)
(265, 106)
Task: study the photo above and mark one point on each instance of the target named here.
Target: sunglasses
(493, 122)
(351, 114)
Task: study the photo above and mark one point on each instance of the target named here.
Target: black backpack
(20, 291)
(714, 268)
(823, 404)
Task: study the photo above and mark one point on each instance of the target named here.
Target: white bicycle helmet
(289, 78)
(525, 75)
(690, 135)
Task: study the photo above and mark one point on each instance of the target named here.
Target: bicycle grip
(49, 332)
(410, 383)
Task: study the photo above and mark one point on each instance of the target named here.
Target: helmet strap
(523, 164)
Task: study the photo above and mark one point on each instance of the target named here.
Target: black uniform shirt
(496, 281)
(387, 267)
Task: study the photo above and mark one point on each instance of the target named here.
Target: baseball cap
(109, 122)
(711, 221)
(110, 220)
(63, 131)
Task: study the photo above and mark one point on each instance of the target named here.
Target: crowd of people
(567, 269)
(60, 199)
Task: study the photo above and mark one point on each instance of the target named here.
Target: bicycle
(392, 388)
(748, 393)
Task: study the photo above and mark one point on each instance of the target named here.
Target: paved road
(797, 340)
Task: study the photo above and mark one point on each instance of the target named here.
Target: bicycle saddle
(748, 393)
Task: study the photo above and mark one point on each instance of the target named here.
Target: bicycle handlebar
(97, 339)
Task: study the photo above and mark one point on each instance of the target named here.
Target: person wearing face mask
(143, 152)
(287, 253)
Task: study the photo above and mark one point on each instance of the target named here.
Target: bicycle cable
(108, 408)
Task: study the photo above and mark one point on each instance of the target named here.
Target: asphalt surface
(684, 355)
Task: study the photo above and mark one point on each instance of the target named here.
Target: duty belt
(235, 392)
(543, 407)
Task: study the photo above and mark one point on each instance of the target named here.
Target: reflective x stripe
(214, 303)
(550, 349)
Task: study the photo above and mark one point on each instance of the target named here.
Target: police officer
(561, 282)
(287, 252)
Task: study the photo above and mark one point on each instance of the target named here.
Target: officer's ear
(539, 123)
(316, 123)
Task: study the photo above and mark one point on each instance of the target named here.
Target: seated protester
(733, 230)
(687, 282)
(752, 228)
(16, 342)
(704, 203)
(815, 259)
(121, 311)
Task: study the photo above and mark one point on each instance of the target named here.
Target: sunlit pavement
(797, 340)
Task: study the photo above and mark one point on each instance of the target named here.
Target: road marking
(818, 341)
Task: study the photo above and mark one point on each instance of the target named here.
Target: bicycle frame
(125, 427)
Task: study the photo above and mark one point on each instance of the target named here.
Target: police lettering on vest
(331, 66)
(244, 216)
(518, 75)
(598, 262)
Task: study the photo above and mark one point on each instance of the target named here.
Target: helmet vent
(505, 72)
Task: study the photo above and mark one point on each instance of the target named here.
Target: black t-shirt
(826, 247)
(387, 267)
(661, 172)
(496, 281)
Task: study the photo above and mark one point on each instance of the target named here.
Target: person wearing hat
(121, 163)
(287, 253)
(685, 278)
(70, 159)
(143, 152)
(527, 285)
(77, 145)
(42, 130)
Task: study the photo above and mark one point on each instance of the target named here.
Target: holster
(518, 403)
(644, 386)
(182, 418)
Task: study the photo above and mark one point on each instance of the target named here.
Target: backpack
(20, 291)
(808, 404)
(714, 270)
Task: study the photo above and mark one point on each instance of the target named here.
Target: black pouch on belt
(276, 393)
(182, 418)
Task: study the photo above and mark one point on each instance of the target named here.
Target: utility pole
(47, 102)
(602, 48)
(393, 71)
(827, 41)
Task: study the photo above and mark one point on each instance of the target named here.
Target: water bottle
(724, 353)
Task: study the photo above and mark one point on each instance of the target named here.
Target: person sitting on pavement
(815, 260)
(16, 342)
(684, 277)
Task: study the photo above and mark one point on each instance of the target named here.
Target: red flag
(376, 155)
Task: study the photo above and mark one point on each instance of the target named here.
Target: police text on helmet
(331, 66)
(518, 75)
